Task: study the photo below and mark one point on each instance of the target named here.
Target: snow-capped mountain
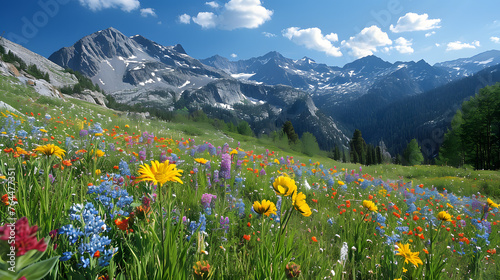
(462, 67)
(129, 68)
(350, 82)
(136, 70)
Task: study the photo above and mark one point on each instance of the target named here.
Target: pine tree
(412, 154)
(358, 148)
(290, 132)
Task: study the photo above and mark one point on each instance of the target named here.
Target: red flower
(247, 237)
(25, 237)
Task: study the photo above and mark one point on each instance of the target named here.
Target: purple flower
(225, 166)
(206, 199)
(142, 155)
(83, 133)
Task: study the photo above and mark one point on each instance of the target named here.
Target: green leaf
(40, 269)
(5, 275)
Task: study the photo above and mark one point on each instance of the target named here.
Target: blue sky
(334, 32)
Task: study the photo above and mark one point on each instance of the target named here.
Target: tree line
(474, 137)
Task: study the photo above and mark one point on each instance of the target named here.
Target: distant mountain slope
(425, 116)
(467, 66)
(135, 65)
(57, 76)
(335, 84)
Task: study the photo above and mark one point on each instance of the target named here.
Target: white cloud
(429, 34)
(495, 39)
(185, 18)
(313, 39)
(457, 45)
(403, 45)
(125, 5)
(366, 42)
(212, 4)
(415, 22)
(438, 45)
(268, 35)
(235, 14)
(233, 55)
(205, 19)
(148, 12)
(159, 22)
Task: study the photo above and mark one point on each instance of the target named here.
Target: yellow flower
(368, 204)
(284, 185)
(443, 216)
(299, 202)
(341, 183)
(266, 207)
(43, 130)
(98, 134)
(201, 160)
(404, 270)
(99, 153)
(51, 149)
(127, 126)
(98, 172)
(404, 250)
(159, 172)
(491, 203)
(449, 205)
(233, 152)
(276, 161)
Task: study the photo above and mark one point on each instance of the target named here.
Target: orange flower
(97, 254)
(247, 237)
(314, 239)
(123, 224)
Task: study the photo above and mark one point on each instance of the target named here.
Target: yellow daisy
(299, 202)
(201, 160)
(159, 173)
(266, 207)
(51, 149)
(443, 216)
(491, 203)
(368, 204)
(284, 185)
(404, 250)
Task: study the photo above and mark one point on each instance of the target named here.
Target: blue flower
(66, 256)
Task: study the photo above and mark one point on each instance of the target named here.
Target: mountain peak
(178, 48)
(368, 63)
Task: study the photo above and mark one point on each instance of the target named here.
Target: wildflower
(225, 166)
(25, 237)
(123, 224)
(491, 203)
(246, 237)
(299, 202)
(266, 207)
(292, 270)
(98, 172)
(443, 216)
(341, 183)
(404, 250)
(314, 239)
(159, 172)
(284, 185)
(368, 204)
(99, 153)
(202, 270)
(51, 149)
(201, 160)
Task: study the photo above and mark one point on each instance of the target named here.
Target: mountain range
(266, 91)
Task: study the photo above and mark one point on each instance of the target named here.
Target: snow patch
(107, 62)
(185, 84)
(485, 61)
(242, 76)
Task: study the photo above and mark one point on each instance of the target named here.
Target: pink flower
(25, 236)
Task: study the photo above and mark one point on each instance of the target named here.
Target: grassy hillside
(242, 207)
